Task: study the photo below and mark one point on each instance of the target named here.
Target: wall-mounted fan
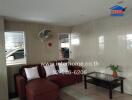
(44, 34)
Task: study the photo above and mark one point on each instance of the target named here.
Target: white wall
(37, 51)
(117, 33)
(3, 68)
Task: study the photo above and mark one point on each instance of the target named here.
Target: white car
(16, 56)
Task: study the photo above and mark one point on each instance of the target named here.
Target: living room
(88, 38)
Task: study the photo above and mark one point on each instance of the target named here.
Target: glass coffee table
(104, 80)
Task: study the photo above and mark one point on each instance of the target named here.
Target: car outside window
(18, 54)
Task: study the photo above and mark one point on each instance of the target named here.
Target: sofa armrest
(21, 86)
(75, 69)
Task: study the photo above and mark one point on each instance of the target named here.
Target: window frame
(25, 52)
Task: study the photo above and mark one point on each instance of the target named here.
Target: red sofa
(45, 88)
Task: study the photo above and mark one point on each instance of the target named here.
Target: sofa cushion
(43, 72)
(32, 73)
(22, 69)
(40, 86)
(63, 80)
(50, 69)
(41, 89)
(63, 68)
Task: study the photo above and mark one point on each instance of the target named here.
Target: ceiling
(58, 12)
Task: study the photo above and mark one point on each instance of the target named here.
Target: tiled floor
(92, 92)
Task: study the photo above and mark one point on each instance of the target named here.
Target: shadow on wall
(11, 71)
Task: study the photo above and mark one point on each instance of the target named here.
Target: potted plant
(115, 69)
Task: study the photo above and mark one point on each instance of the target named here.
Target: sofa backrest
(41, 69)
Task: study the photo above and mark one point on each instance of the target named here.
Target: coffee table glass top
(102, 76)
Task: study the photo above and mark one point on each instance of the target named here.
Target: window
(65, 45)
(15, 48)
(75, 39)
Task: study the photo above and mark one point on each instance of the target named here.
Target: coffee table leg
(110, 92)
(122, 90)
(85, 82)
